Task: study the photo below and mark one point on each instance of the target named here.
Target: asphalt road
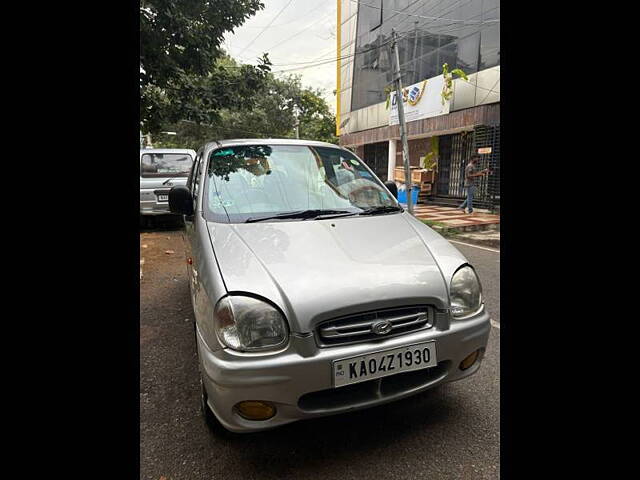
(451, 432)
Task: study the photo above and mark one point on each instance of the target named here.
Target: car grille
(359, 327)
(373, 391)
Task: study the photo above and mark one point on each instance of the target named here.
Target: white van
(161, 169)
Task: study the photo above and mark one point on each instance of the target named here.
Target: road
(452, 432)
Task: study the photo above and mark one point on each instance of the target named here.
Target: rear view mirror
(180, 201)
(392, 187)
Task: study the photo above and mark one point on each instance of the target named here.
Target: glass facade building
(463, 33)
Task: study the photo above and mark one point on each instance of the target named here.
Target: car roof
(166, 150)
(271, 141)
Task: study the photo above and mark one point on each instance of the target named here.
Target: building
(465, 34)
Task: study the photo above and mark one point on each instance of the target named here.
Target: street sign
(484, 150)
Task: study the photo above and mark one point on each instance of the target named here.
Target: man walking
(471, 175)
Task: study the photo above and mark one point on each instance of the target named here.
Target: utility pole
(403, 127)
(296, 113)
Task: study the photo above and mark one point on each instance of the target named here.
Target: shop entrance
(454, 153)
(376, 156)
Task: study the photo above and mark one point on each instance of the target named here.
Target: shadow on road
(160, 223)
(340, 439)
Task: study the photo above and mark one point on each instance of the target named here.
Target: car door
(190, 236)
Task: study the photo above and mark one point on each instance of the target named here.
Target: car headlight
(466, 292)
(248, 324)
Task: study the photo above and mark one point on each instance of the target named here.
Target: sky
(304, 31)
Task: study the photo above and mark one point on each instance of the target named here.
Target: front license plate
(347, 371)
(163, 198)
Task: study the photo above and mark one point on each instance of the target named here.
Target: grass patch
(442, 228)
(433, 223)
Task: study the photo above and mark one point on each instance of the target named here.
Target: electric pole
(403, 127)
(296, 113)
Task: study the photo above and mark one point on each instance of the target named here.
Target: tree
(180, 78)
(316, 120)
(273, 114)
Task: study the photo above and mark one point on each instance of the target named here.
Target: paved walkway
(454, 217)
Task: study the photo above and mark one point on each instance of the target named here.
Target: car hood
(319, 269)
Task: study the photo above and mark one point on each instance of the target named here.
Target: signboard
(484, 150)
(421, 100)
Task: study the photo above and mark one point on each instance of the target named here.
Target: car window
(256, 180)
(196, 182)
(165, 164)
(192, 175)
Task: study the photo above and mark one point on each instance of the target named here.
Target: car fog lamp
(255, 410)
(470, 360)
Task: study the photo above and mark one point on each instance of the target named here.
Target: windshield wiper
(305, 214)
(382, 209)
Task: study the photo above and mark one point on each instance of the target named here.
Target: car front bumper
(298, 380)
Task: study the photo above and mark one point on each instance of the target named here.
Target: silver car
(161, 169)
(314, 291)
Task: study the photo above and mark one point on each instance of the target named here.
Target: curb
(489, 242)
(472, 239)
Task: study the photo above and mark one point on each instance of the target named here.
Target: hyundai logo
(382, 327)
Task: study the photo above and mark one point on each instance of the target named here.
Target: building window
(424, 43)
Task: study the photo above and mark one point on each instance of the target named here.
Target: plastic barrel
(402, 195)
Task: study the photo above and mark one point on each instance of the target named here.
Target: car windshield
(165, 164)
(248, 182)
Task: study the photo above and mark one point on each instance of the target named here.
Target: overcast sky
(305, 31)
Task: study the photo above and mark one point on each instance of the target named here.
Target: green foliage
(272, 114)
(229, 161)
(459, 73)
(387, 91)
(430, 161)
(442, 228)
(179, 76)
(447, 91)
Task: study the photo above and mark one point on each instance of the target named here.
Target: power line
(490, 90)
(301, 31)
(470, 22)
(407, 34)
(318, 63)
(322, 62)
(265, 28)
(321, 4)
(325, 62)
(294, 35)
(450, 30)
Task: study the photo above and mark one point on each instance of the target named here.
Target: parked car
(161, 169)
(314, 292)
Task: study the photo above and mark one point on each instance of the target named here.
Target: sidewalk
(455, 218)
(481, 228)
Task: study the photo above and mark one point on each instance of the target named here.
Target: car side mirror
(392, 187)
(180, 201)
